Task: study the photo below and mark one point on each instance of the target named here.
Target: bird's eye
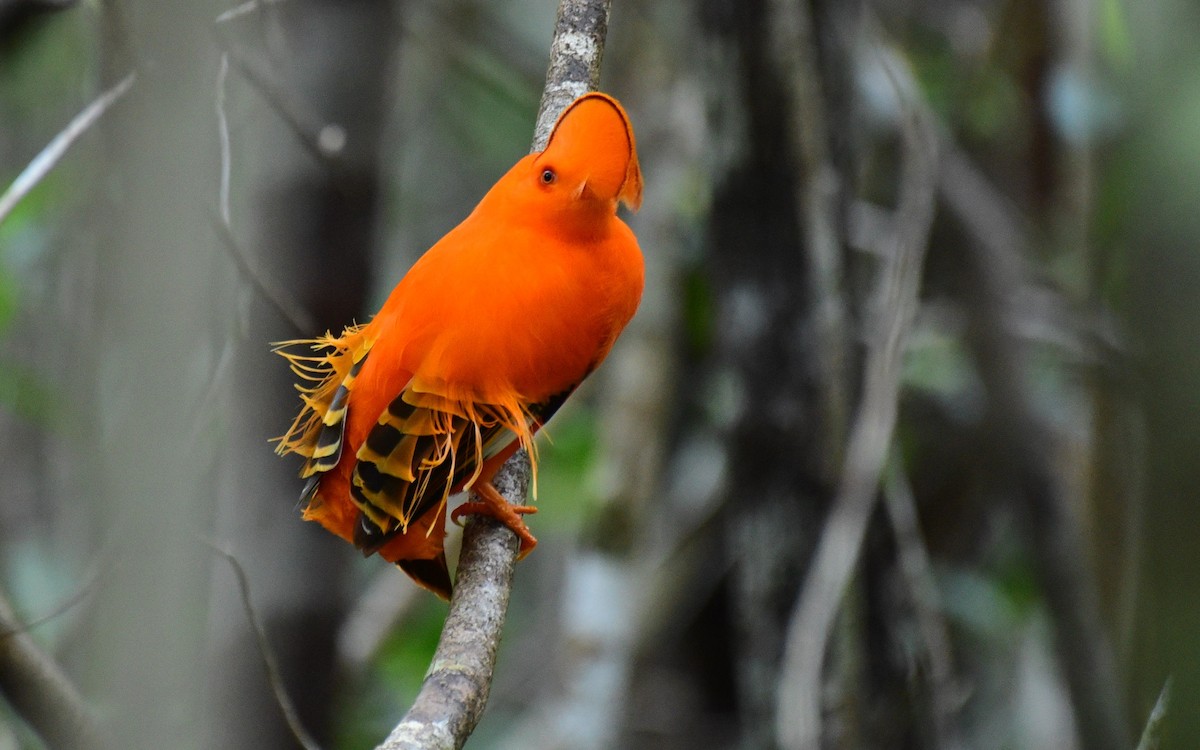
(548, 177)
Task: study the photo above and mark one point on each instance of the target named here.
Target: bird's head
(591, 156)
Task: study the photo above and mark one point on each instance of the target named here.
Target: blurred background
(903, 438)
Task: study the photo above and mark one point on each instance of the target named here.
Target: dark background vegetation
(1028, 573)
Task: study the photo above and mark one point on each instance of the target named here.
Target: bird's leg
(493, 505)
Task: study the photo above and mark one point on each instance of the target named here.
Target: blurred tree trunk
(314, 228)
(777, 364)
(762, 307)
(158, 320)
(776, 377)
(1163, 286)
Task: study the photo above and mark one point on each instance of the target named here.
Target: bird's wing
(423, 449)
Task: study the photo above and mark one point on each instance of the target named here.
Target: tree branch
(54, 151)
(40, 692)
(455, 691)
(575, 55)
(270, 662)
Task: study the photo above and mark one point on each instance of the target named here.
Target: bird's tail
(432, 574)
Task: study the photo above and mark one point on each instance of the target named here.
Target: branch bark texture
(455, 692)
(575, 55)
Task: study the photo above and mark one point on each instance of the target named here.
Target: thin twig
(798, 714)
(291, 310)
(1152, 734)
(274, 676)
(54, 151)
(223, 132)
(283, 303)
(326, 141)
(245, 9)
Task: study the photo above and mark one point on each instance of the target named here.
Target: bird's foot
(493, 505)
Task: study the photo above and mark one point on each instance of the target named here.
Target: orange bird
(474, 350)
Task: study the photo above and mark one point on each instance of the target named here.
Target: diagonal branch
(325, 141)
(1152, 734)
(38, 690)
(54, 151)
(289, 308)
(456, 688)
(290, 715)
(455, 691)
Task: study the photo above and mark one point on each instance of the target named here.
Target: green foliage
(9, 297)
(375, 700)
(976, 96)
(42, 86)
(22, 392)
(23, 240)
(698, 310)
(484, 84)
(1116, 41)
(42, 83)
(567, 449)
(938, 362)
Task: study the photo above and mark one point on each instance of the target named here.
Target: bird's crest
(596, 128)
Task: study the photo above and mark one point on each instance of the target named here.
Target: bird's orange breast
(500, 308)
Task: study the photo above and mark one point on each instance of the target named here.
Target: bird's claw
(493, 505)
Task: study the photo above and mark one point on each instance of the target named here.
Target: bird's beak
(579, 191)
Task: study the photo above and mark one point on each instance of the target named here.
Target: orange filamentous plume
(474, 350)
